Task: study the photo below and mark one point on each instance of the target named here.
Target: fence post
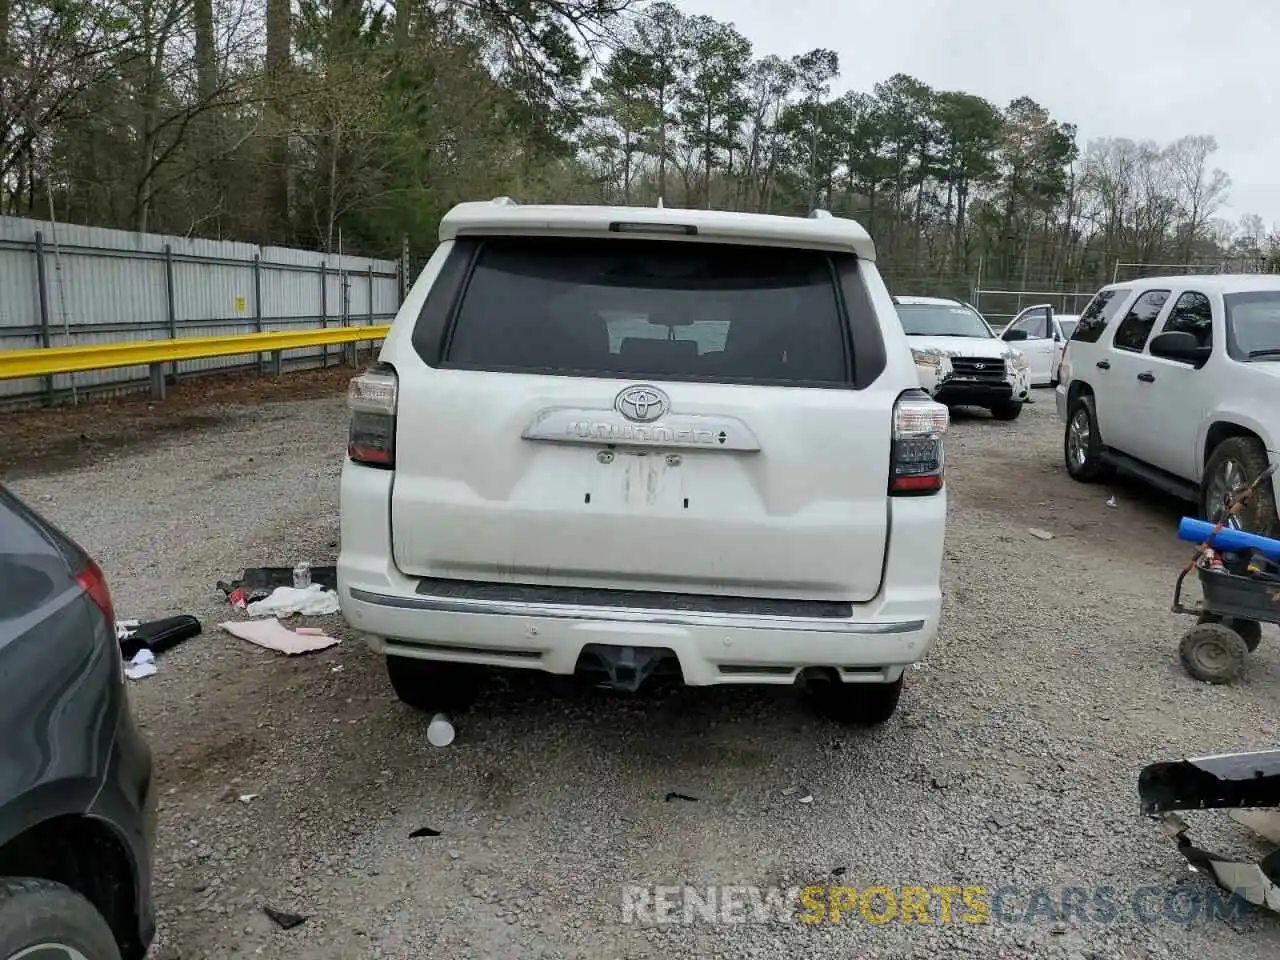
(156, 371)
(402, 268)
(349, 350)
(324, 309)
(369, 319)
(171, 300)
(257, 317)
(42, 285)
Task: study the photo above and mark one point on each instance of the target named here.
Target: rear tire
(434, 686)
(1250, 630)
(1082, 443)
(1008, 410)
(1240, 460)
(1213, 652)
(38, 912)
(857, 704)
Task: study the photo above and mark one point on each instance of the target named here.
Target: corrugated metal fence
(64, 284)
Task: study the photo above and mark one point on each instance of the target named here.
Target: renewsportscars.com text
(935, 905)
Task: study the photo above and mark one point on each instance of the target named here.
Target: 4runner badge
(642, 404)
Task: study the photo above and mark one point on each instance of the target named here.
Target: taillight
(371, 397)
(916, 459)
(94, 583)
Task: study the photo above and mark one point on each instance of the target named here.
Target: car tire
(1250, 630)
(1082, 443)
(1240, 459)
(1213, 653)
(36, 913)
(857, 704)
(434, 686)
(1008, 410)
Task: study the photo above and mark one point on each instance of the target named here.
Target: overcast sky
(1142, 69)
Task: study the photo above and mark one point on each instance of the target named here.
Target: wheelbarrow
(1239, 596)
(1228, 623)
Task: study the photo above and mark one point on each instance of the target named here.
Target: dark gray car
(77, 807)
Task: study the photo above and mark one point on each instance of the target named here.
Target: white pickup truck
(1177, 380)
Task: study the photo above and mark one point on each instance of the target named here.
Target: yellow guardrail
(44, 361)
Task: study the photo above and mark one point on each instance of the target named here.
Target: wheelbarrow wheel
(1213, 652)
(1250, 630)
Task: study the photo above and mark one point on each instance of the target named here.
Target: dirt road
(1013, 760)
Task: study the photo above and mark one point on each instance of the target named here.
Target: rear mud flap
(1246, 783)
(624, 668)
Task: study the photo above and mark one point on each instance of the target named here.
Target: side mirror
(1011, 335)
(1181, 346)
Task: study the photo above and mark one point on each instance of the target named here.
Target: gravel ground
(1012, 761)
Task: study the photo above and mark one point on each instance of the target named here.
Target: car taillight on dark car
(94, 583)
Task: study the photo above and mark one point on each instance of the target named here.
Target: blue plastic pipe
(1226, 539)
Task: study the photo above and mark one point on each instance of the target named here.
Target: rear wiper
(1269, 352)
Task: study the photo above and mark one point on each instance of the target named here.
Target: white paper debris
(1040, 534)
(275, 636)
(312, 601)
(124, 628)
(247, 797)
(1111, 501)
(142, 665)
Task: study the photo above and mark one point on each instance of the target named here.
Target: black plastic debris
(680, 796)
(839, 871)
(424, 832)
(1248, 784)
(283, 919)
(1211, 783)
(159, 635)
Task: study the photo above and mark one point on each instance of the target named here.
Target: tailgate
(643, 415)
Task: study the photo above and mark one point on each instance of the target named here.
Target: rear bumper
(873, 645)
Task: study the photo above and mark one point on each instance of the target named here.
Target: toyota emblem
(642, 404)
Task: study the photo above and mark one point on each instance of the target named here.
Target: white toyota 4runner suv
(960, 360)
(612, 441)
(1177, 380)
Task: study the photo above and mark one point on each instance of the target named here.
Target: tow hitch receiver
(624, 668)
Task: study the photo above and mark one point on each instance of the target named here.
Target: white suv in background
(1045, 342)
(1177, 380)
(615, 441)
(960, 360)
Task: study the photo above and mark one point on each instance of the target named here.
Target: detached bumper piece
(1246, 783)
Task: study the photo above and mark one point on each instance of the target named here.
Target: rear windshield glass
(653, 309)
